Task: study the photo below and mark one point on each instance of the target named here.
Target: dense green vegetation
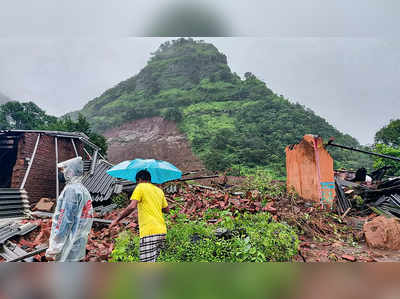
(387, 142)
(231, 122)
(246, 238)
(28, 116)
(390, 134)
(23, 116)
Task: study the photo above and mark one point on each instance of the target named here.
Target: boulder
(383, 233)
(45, 204)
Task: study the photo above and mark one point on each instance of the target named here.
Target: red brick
(41, 181)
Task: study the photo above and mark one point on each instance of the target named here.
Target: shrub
(393, 151)
(126, 248)
(246, 238)
(263, 181)
(121, 200)
(173, 114)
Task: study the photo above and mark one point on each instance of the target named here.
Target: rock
(383, 233)
(45, 204)
(269, 208)
(349, 257)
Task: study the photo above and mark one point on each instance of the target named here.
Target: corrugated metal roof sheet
(13, 202)
(55, 133)
(100, 184)
(11, 229)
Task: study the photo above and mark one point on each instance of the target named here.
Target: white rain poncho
(73, 218)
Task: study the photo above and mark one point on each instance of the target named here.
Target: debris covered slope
(324, 235)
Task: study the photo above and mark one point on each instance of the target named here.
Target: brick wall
(41, 181)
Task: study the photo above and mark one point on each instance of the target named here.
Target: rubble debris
(45, 205)
(378, 174)
(322, 233)
(389, 183)
(198, 178)
(128, 186)
(9, 251)
(383, 233)
(50, 215)
(204, 187)
(343, 203)
(40, 214)
(349, 257)
(192, 172)
(344, 174)
(365, 198)
(171, 189)
(12, 229)
(29, 255)
(389, 205)
(103, 210)
(345, 183)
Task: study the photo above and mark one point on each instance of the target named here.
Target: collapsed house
(29, 171)
(310, 173)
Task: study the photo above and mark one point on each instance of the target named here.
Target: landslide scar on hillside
(152, 137)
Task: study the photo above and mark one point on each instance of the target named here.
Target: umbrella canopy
(160, 171)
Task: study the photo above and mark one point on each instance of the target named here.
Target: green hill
(230, 122)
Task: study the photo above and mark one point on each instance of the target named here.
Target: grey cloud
(363, 18)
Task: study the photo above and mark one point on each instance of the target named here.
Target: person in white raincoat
(73, 218)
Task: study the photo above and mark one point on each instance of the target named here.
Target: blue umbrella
(161, 171)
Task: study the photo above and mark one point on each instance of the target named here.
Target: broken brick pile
(37, 237)
(197, 202)
(101, 238)
(324, 236)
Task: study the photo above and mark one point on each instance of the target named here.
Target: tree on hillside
(390, 134)
(23, 116)
(66, 124)
(173, 114)
(387, 142)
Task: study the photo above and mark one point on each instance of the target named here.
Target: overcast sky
(340, 59)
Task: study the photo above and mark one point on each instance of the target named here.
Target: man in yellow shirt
(150, 202)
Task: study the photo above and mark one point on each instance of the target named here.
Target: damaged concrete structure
(28, 162)
(309, 169)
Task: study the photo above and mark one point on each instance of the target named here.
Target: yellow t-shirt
(151, 200)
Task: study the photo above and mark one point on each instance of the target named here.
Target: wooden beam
(73, 144)
(30, 163)
(57, 183)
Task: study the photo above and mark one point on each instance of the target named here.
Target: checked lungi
(150, 247)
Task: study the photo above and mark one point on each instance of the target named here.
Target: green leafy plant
(121, 200)
(263, 181)
(246, 238)
(126, 248)
(392, 150)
